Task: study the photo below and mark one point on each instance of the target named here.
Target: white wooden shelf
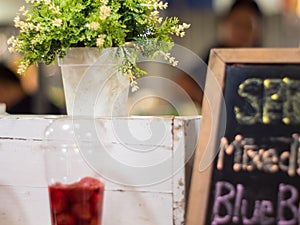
(23, 186)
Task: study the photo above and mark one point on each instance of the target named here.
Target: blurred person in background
(240, 26)
(13, 94)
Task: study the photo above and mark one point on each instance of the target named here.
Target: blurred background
(280, 22)
(280, 28)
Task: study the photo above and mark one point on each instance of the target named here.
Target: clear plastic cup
(75, 191)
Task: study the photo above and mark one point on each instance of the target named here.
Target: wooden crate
(23, 186)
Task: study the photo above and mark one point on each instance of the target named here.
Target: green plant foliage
(47, 28)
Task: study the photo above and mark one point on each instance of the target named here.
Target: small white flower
(17, 20)
(22, 25)
(160, 5)
(165, 55)
(149, 6)
(134, 88)
(29, 17)
(104, 12)
(175, 63)
(104, 2)
(168, 54)
(23, 66)
(47, 2)
(134, 84)
(57, 22)
(100, 40)
(31, 26)
(159, 20)
(93, 26)
(11, 49)
(155, 17)
(11, 40)
(186, 26)
(22, 8)
(179, 30)
(25, 12)
(38, 27)
(54, 9)
(155, 13)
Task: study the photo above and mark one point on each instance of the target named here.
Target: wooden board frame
(219, 58)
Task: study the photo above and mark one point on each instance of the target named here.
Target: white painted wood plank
(30, 206)
(23, 163)
(137, 208)
(179, 173)
(24, 206)
(185, 139)
(27, 127)
(141, 131)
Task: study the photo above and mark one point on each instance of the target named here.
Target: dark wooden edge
(200, 183)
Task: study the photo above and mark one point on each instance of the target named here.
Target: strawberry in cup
(79, 203)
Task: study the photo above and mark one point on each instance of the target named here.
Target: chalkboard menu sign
(249, 140)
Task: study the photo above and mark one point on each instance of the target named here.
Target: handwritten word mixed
(247, 156)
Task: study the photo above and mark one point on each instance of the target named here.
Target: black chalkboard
(254, 177)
